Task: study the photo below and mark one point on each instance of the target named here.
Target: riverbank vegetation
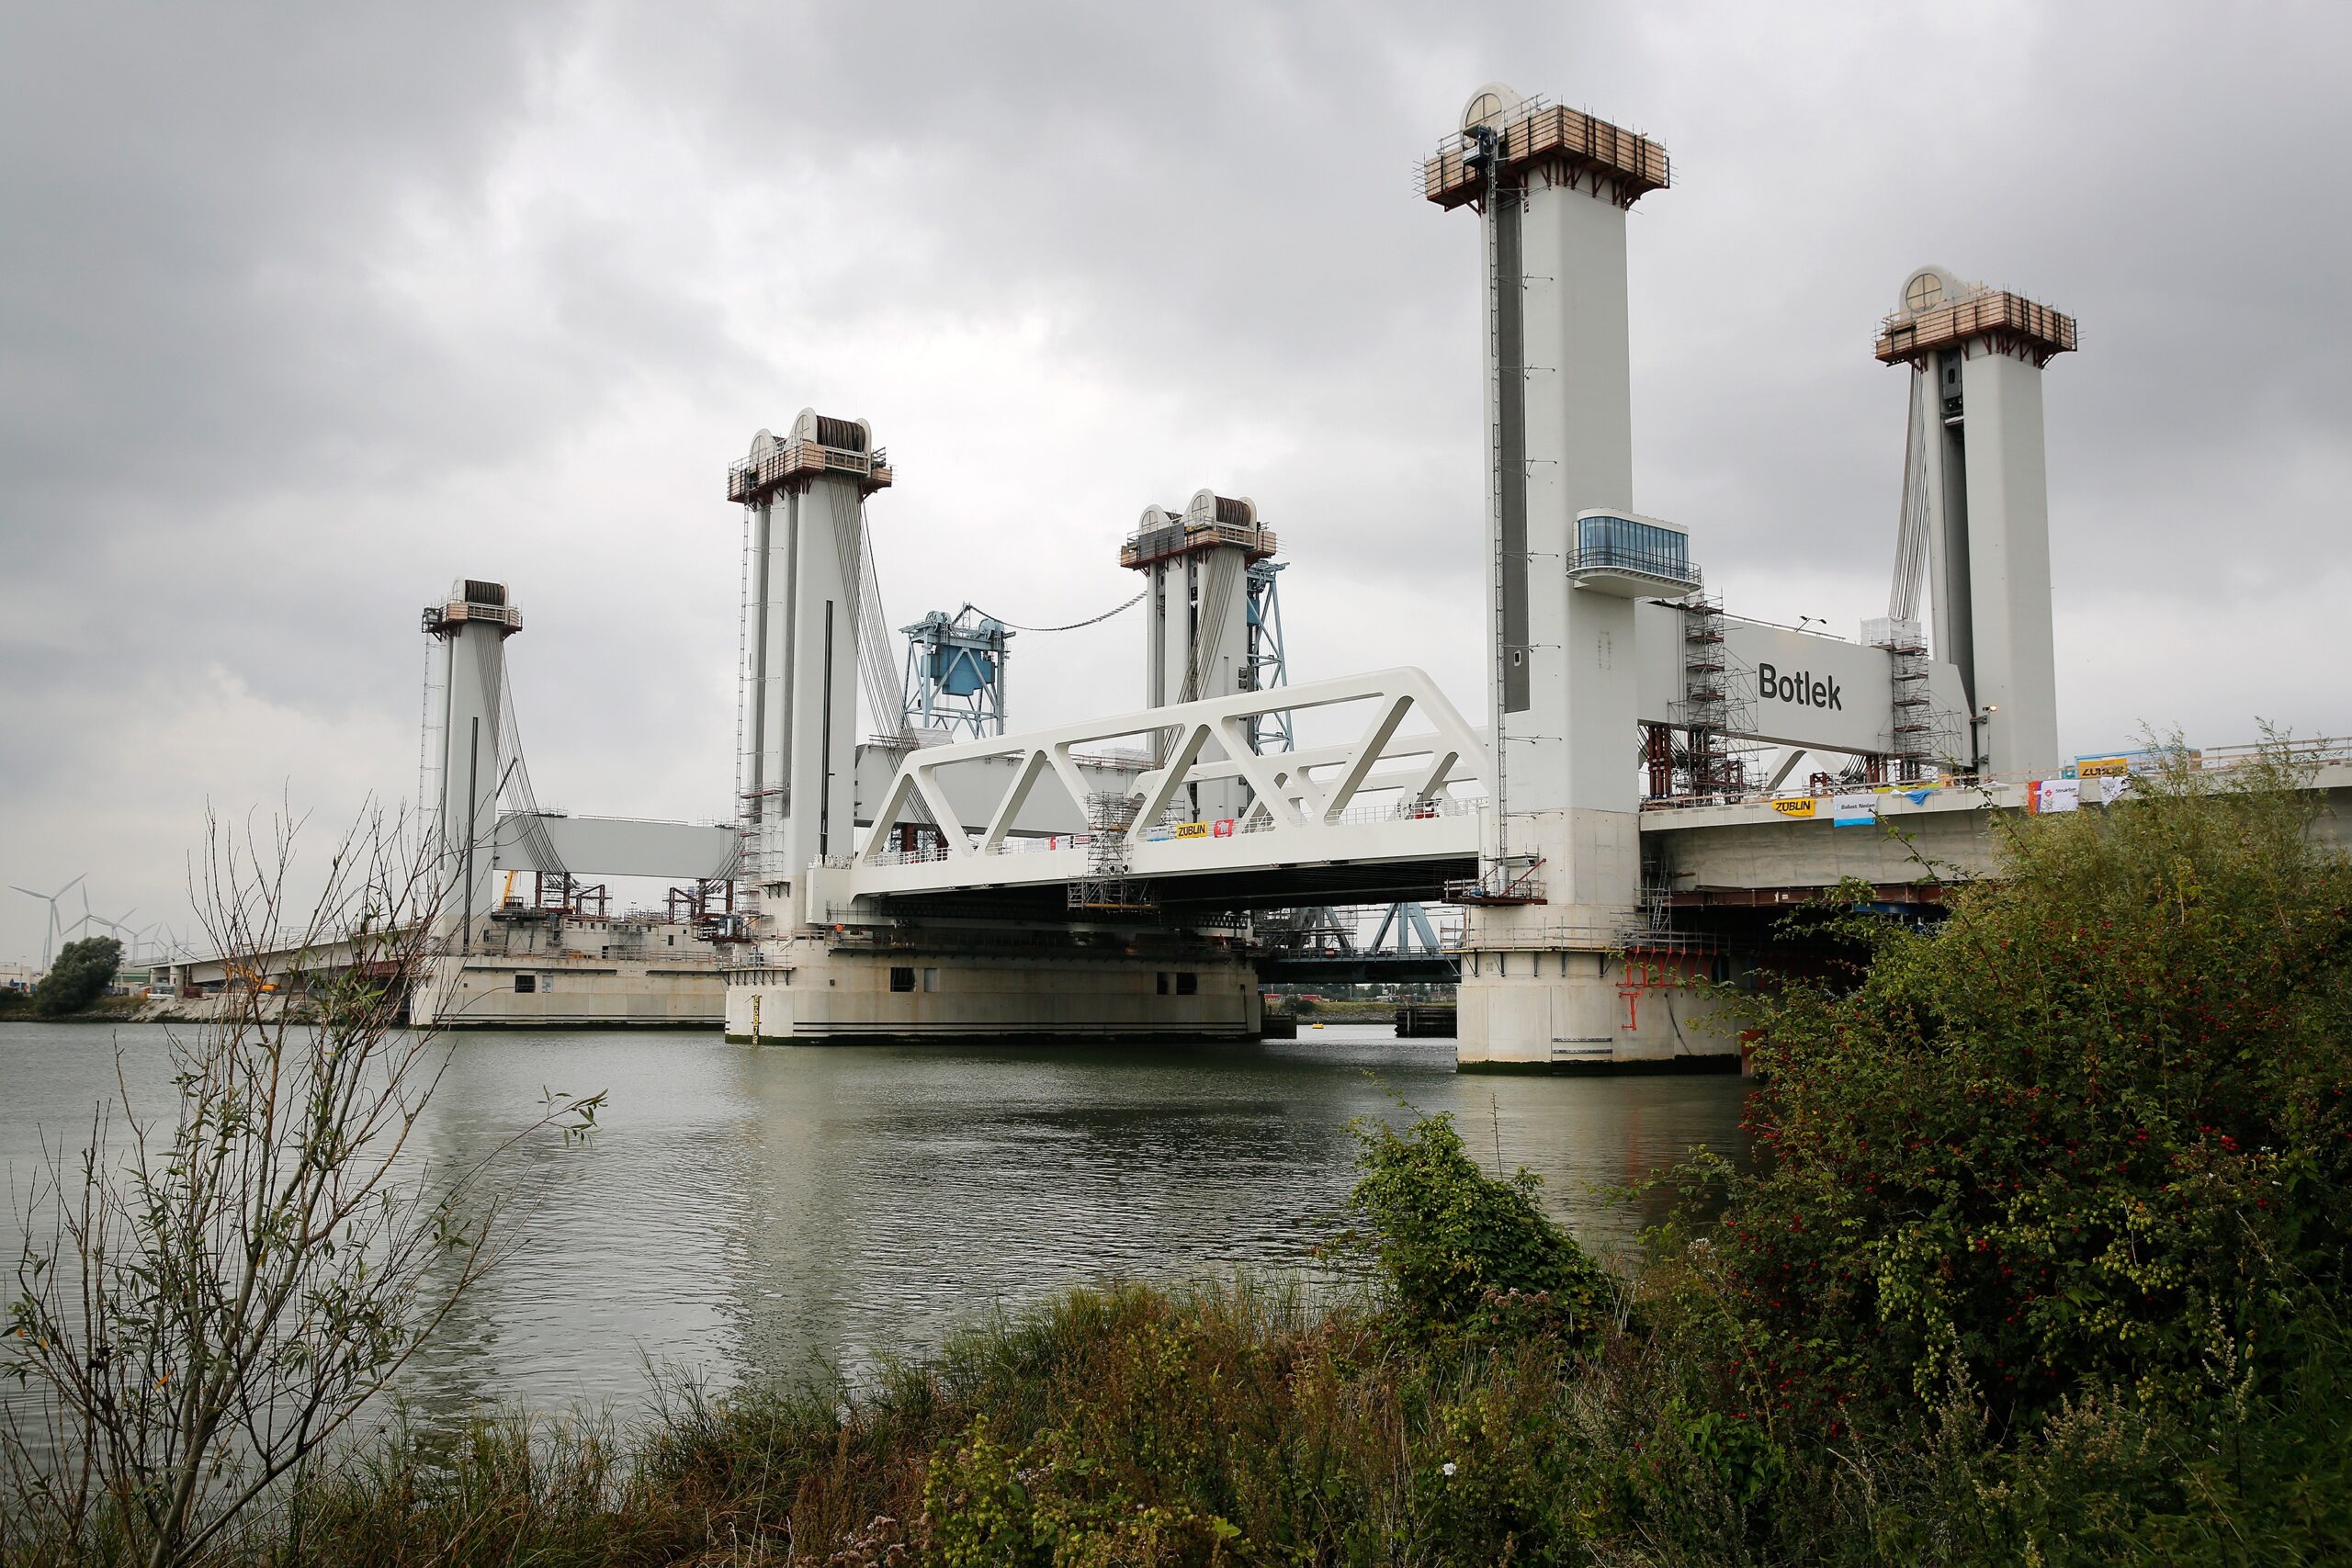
(76, 983)
(2040, 1263)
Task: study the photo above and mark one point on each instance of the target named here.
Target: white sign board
(1787, 687)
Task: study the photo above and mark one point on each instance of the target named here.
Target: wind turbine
(143, 940)
(118, 927)
(118, 924)
(49, 945)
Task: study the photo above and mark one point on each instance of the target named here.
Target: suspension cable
(1105, 615)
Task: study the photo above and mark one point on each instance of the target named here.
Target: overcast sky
(306, 310)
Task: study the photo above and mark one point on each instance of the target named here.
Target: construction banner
(1859, 809)
(1192, 829)
(1794, 807)
(2046, 797)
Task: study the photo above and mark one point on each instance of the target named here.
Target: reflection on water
(745, 1210)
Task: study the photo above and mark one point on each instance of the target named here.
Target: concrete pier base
(805, 990)
(1570, 1011)
(567, 990)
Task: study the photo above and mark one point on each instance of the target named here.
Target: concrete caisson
(815, 990)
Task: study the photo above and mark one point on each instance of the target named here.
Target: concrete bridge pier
(1569, 984)
(907, 987)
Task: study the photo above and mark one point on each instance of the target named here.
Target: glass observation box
(1631, 555)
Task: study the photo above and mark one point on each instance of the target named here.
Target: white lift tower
(1569, 557)
(1199, 639)
(804, 496)
(464, 748)
(1976, 504)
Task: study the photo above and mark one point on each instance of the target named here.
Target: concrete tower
(1196, 610)
(1976, 487)
(1569, 557)
(803, 496)
(465, 765)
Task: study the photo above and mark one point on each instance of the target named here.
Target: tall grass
(1237, 1421)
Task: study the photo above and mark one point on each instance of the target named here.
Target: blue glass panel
(1635, 547)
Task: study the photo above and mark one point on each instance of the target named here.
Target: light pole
(1975, 746)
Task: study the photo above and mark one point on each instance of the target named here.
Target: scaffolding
(1105, 887)
(1540, 141)
(2004, 322)
(1711, 765)
(1922, 736)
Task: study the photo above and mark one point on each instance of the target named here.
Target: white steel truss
(1387, 795)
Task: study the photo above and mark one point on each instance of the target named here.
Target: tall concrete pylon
(1195, 565)
(1978, 478)
(1568, 556)
(468, 761)
(803, 496)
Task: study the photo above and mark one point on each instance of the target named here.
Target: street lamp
(1975, 747)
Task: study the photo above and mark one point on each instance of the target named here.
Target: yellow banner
(2102, 767)
(1794, 807)
(1192, 829)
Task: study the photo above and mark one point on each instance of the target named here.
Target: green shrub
(2092, 1132)
(1457, 1253)
(80, 975)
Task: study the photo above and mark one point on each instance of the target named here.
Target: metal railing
(1141, 549)
(1990, 312)
(1664, 565)
(439, 617)
(2319, 752)
(1537, 131)
(747, 478)
(934, 852)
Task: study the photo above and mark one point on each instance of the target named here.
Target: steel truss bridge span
(1394, 812)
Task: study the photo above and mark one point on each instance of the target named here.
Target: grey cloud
(304, 311)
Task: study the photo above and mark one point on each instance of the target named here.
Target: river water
(745, 1211)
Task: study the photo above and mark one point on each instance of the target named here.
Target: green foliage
(987, 1508)
(1462, 1254)
(80, 975)
(2092, 1132)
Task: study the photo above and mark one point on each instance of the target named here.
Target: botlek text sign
(1787, 687)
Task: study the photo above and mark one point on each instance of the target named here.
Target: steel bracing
(1390, 795)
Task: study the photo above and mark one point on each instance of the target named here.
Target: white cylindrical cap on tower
(1930, 288)
(1207, 506)
(823, 430)
(1491, 105)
